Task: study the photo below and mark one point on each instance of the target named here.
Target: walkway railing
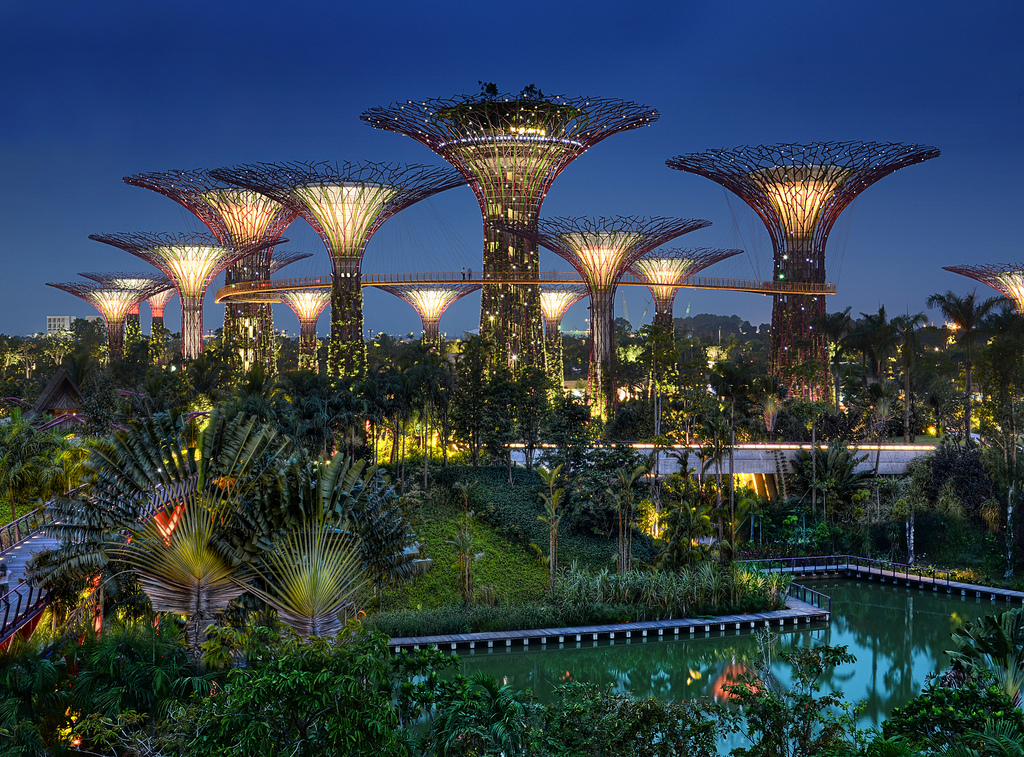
(838, 563)
(811, 597)
(25, 526)
(19, 607)
(244, 291)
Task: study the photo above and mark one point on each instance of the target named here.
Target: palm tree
(552, 517)
(906, 328)
(835, 327)
(623, 498)
(732, 382)
(965, 315)
(30, 464)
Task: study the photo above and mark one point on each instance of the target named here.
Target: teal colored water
(898, 635)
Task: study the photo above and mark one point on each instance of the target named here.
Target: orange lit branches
(430, 301)
(665, 271)
(1005, 278)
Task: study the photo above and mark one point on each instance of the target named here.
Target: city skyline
(97, 94)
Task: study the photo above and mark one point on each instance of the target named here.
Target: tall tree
(907, 328)
(732, 383)
(835, 327)
(965, 315)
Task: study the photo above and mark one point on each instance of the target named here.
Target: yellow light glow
(554, 302)
(192, 267)
(664, 275)
(307, 304)
(159, 301)
(345, 212)
(601, 255)
(1011, 284)
(114, 304)
(798, 193)
(246, 214)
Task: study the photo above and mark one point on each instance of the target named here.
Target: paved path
(16, 557)
(796, 612)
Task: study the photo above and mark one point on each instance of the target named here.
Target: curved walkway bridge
(269, 291)
(21, 603)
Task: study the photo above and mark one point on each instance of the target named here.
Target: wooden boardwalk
(898, 577)
(796, 612)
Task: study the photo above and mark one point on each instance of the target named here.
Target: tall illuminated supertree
(238, 218)
(307, 304)
(345, 203)
(799, 191)
(132, 324)
(113, 303)
(510, 148)
(430, 301)
(664, 271)
(1005, 278)
(157, 304)
(555, 299)
(602, 250)
(191, 261)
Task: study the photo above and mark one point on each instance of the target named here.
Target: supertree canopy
(237, 218)
(345, 203)
(430, 301)
(191, 261)
(285, 258)
(307, 304)
(664, 271)
(555, 299)
(1005, 278)
(132, 324)
(113, 303)
(602, 250)
(510, 148)
(157, 303)
(799, 191)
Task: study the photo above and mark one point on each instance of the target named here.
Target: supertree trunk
(191, 327)
(307, 346)
(663, 314)
(132, 327)
(249, 326)
(115, 338)
(347, 352)
(602, 361)
(432, 332)
(554, 356)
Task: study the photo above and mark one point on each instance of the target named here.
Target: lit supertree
(345, 203)
(238, 218)
(799, 191)
(307, 304)
(602, 250)
(1005, 278)
(555, 299)
(132, 325)
(430, 301)
(191, 261)
(511, 149)
(113, 303)
(664, 271)
(157, 303)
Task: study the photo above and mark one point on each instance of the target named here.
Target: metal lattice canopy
(430, 301)
(158, 301)
(283, 258)
(602, 249)
(510, 144)
(307, 304)
(121, 279)
(346, 202)
(555, 299)
(799, 190)
(665, 270)
(1005, 278)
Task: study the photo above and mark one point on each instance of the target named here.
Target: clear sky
(93, 91)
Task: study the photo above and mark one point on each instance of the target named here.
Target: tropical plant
(992, 646)
(479, 716)
(552, 517)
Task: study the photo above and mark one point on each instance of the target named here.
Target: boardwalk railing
(811, 597)
(18, 607)
(851, 563)
(20, 529)
(244, 291)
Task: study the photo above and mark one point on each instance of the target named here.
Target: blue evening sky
(95, 90)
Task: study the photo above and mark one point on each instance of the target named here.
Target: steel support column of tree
(345, 203)
(307, 304)
(799, 191)
(601, 251)
(510, 148)
(430, 301)
(238, 218)
(1005, 278)
(555, 299)
(113, 303)
(191, 261)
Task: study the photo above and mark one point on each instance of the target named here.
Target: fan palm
(994, 644)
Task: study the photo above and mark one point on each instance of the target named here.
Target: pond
(898, 636)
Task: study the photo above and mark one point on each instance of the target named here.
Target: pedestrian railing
(18, 607)
(24, 527)
(852, 564)
(811, 597)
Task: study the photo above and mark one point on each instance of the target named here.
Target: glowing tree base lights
(555, 299)
(430, 301)
(307, 304)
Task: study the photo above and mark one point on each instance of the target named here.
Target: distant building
(57, 323)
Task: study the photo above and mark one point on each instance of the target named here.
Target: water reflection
(898, 636)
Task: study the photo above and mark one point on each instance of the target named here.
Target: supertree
(157, 303)
(307, 304)
(664, 271)
(113, 303)
(238, 218)
(601, 251)
(191, 261)
(555, 299)
(799, 191)
(430, 301)
(132, 324)
(510, 148)
(285, 258)
(345, 203)
(1005, 278)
